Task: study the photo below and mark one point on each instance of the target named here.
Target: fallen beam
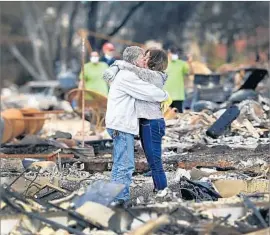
(25, 112)
(34, 155)
(265, 231)
(190, 165)
(29, 118)
(225, 120)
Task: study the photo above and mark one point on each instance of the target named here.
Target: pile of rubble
(53, 185)
(200, 201)
(249, 129)
(217, 166)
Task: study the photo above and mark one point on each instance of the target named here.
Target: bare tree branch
(17, 54)
(107, 16)
(46, 41)
(60, 7)
(33, 35)
(71, 26)
(92, 19)
(56, 37)
(131, 11)
(126, 18)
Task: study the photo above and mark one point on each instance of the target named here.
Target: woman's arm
(147, 75)
(110, 73)
(141, 90)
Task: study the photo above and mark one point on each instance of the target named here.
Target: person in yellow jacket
(93, 75)
(177, 70)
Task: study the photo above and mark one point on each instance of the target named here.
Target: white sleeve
(110, 73)
(141, 90)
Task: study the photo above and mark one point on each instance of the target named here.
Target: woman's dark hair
(158, 59)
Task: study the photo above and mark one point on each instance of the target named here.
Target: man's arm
(142, 90)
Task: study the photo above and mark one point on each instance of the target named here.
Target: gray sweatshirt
(125, 89)
(144, 109)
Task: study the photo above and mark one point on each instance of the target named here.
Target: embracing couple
(136, 102)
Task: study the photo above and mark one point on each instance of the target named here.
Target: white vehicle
(41, 94)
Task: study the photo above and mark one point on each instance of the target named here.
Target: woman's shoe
(164, 195)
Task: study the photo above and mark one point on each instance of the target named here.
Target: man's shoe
(121, 204)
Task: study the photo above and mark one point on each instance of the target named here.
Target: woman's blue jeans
(151, 133)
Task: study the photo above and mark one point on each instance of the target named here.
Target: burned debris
(216, 158)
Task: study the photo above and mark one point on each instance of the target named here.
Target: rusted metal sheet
(24, 121)
(33, 126)
(7, 132)
(18, 125)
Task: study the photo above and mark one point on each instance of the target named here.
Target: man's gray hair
(132, 53)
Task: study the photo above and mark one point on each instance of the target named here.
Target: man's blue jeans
(123, 161)
(151, 133)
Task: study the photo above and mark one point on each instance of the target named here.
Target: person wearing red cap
(108, 51)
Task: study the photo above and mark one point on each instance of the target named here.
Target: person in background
(177, 70)
(108, 51)
(93, 75)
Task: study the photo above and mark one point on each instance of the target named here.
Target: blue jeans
(151, 133)
(123, 161)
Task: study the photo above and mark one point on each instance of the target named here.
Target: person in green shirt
(177, 70)
(93, 75)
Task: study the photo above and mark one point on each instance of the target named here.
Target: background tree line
(36, 36)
